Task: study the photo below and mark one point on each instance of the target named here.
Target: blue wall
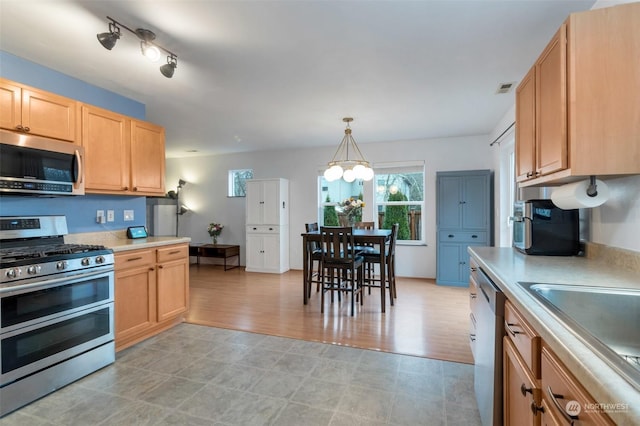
(79, 210)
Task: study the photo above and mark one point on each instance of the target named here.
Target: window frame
(234, 181)
(396, 168)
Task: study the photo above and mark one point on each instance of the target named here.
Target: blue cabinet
(464, 218)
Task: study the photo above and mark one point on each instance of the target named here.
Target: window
(399, 198)
(237, 182)
(333, 193)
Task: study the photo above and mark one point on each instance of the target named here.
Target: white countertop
(118, 241)
(506, 267)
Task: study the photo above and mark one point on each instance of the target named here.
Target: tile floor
(197, 375)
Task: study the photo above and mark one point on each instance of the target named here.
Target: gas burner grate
(43, 251)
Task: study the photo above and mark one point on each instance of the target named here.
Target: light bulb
(367, 174)
(349, 175)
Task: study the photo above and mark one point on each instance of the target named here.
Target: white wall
(206, 191)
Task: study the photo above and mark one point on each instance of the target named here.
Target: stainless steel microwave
(541, 228)
(39, 166)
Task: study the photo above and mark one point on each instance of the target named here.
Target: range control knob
(33, 269)
(62, 264)
(99, 259)
(13, 273)
(86, 261)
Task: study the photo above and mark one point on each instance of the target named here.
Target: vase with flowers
(352, 209)
(215, 229)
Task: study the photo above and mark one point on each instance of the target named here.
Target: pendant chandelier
(348, 162)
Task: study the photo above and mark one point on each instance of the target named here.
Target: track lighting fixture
(149, 48)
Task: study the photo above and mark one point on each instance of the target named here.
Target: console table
(222, 251)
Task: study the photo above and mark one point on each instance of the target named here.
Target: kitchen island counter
(506, 267)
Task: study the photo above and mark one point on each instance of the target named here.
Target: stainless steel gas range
(56, 309)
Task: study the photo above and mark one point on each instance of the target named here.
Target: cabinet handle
(474, 236)
(135, 188)
(174, 252)
(160, 266)
(474, 269)
(270, 229)
(524, 390)
(472, 337)
(473, 295)
(450, 235)
(535, 409)
(554, 398)
(511, 331)
(19, 127)
(126, 188)
(133, 258)
(152, 269)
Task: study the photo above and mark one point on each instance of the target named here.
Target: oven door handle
(54, 282)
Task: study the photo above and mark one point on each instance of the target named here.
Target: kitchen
(614, 224)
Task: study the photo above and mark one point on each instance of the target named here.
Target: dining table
(362, 237)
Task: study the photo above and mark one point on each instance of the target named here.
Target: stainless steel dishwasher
(488, 361)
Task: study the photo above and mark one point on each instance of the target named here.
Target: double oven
(56, 309)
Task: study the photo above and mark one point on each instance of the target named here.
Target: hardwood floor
(427, 320)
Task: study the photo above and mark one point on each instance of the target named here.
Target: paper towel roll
(574, 195)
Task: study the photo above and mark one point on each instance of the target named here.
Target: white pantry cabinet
(267, 220)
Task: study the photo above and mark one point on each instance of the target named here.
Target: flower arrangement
(214, 231)
(352, 207)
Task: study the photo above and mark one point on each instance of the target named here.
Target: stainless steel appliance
(39, 166)
(541, 228)
(56, 309)
(488, 360)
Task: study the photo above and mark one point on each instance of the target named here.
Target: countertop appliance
(35, 165)
(488, 360)
(541, 228)
(56, 309)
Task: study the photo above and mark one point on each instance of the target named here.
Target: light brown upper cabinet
(577, 109)
(122, 155)
(33, 111)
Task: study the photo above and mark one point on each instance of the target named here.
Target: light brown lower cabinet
(521, 389)
(565, 400)
(151, 292)
(537, 388)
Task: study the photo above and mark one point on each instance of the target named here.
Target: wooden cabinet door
(10, 101)
(47, 114)
(563, 394)
(147, 158)
(551, 105)
(520, 389)
(173, 288)
(105, 138)
(526, 126)
(135, 301)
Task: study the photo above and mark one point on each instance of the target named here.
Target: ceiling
(260, 75)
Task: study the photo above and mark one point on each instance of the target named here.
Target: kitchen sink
(606, 319)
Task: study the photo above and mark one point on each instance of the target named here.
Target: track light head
(149, 48)
(108, 40)
(169, 68)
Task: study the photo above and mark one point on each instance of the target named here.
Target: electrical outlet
(128, 215)
(110, 215)
(100, 216)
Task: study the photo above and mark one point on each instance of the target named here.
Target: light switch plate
(110, 215)
(128, 215)
(100, 216)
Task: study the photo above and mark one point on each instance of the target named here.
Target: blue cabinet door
(464, 217)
